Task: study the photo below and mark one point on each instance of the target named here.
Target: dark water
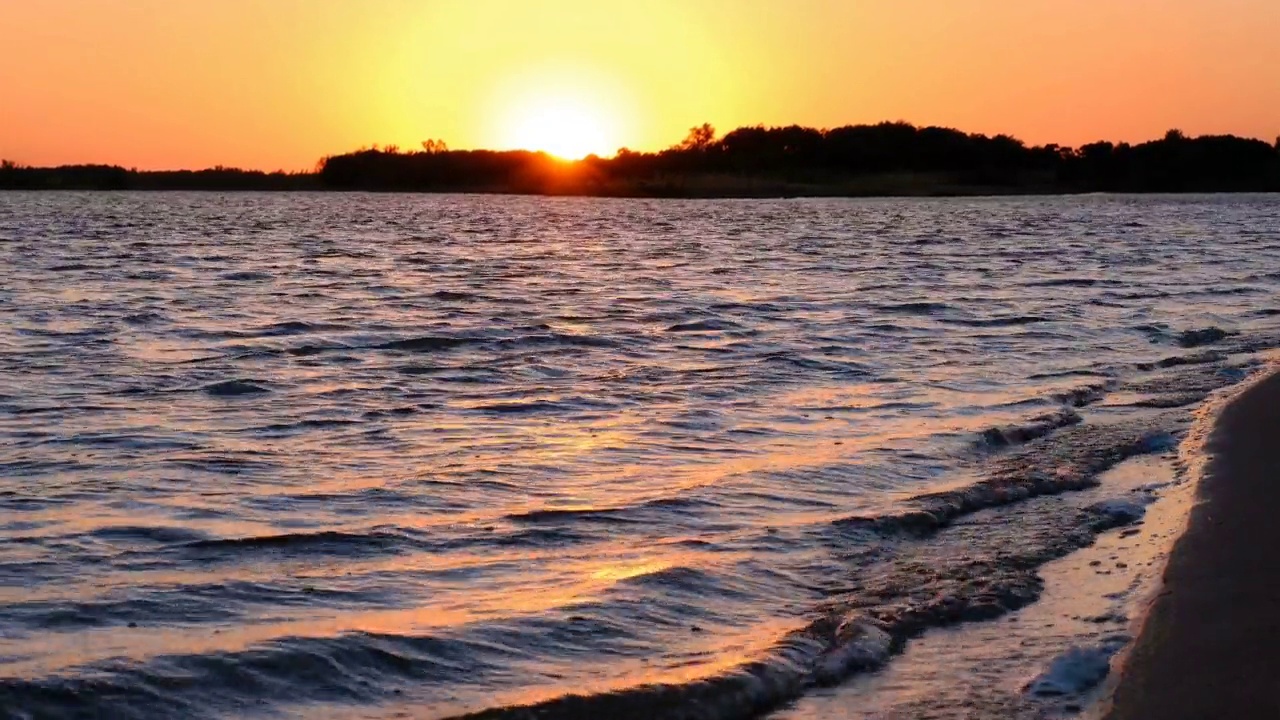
(402, 456)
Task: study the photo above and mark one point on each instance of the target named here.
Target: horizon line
(396, 148)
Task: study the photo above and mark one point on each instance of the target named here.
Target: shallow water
(415, 456)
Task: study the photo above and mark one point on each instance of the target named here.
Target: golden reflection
(540, 589)
(615, 462)
(688, 657)
(627, 571)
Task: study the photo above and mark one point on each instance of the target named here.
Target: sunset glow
(565, 127)
(160, 84)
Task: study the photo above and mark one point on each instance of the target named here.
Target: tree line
(886, 158)
(113, 177)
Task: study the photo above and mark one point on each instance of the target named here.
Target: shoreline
(1207, 645)
(976, 194)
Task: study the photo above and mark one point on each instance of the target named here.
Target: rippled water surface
(414, 456)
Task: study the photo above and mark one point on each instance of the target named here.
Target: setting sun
(567, 128)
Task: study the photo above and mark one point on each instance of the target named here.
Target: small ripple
(704, 326)
(429, 343)
(148, 533)
(1010, 321)
(236, 388)
(521, 408)
(1065, 282)
(555, 515)
(327, 542)
(304, 425)
(915, 308)
(455, 296)
(246, 276)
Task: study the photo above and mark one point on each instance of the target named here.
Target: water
(412, 456)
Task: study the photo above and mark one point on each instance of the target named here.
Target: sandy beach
(1208, 648)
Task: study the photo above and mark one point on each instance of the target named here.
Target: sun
(567, 127)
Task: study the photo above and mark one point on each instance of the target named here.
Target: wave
(704, 326)
(554, 338)
(247, 276)
(1066, 282)
(442, 343)
(277, 329)
(235, 388)
(529, 407)
(374, 542)
(604, 515)
(353, 668)
(1068, 373)
(853, 635)
(915, 308)
(307, 424)
(1061, 462)
(1085, 396)
(58, 409)
(455, 296)
(1011, 321)
(1199, 358)
(1173, 400)
(145, 318)
(999, 437)
(185, 604)
(861, 626)
(850, 369)
(428, 343)
(327, 542)
(147, 533)
(818, 654)
(1203, 336)
(1187, 378)
(296, 327)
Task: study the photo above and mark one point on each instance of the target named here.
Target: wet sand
(1210, 645)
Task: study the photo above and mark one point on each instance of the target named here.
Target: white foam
(866, 647)
(1077, 670)
(1124, 510)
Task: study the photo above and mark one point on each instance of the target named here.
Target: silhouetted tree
(942, 156)
(762, 159)
(699, 138)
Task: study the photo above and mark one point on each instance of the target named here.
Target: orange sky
(278, 83)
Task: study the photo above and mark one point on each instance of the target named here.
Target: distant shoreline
(884, 160)
(764, 195)
(941, 195)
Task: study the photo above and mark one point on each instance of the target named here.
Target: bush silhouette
(828, 161)
(885, 158)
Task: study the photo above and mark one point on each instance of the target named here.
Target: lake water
(387, 456)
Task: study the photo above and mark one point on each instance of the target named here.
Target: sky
(277, 84)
